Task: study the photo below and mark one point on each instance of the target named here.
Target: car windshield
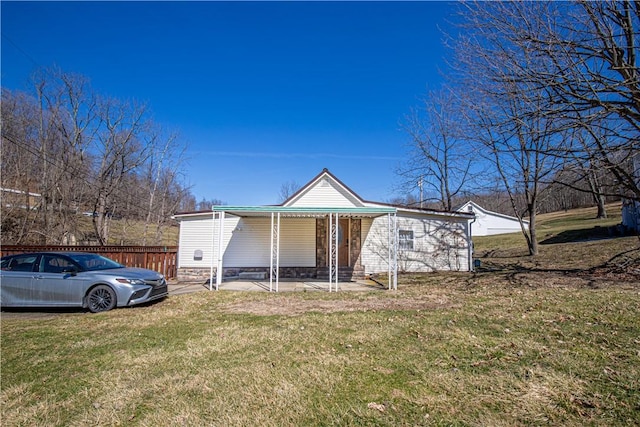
(93, 262)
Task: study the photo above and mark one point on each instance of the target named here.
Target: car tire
(101, 298)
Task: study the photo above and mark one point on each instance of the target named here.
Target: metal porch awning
(278, 212)
(303, 212)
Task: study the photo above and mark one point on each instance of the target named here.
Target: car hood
(130, 273)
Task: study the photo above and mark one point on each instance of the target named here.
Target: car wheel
(101, 298)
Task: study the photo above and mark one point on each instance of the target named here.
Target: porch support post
(274, 265)
(337, 226)
(219, 272)
(392, 257)
(278, 256)
(330, 250)
(333, 250)
(213, 248)
(395, 251)
(271, 257)
(389, 251)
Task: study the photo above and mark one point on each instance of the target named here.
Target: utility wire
(22, 51)
(37, 65)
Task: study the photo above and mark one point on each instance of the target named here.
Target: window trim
(408, 242)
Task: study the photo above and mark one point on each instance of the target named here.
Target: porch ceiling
(303, 212)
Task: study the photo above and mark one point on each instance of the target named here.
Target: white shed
(488, 223)
(324, 231)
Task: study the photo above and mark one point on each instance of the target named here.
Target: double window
(405, 240)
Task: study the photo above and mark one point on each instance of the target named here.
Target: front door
(343, 242)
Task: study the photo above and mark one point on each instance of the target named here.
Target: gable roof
(477, 207)
(325, 189)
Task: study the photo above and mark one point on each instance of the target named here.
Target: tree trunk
(533, 238)
(600, 202)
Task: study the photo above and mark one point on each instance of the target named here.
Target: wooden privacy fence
(162, 259)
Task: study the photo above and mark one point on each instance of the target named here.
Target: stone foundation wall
(202, 274)
(356, 243)
(321, 242)
(194, 274)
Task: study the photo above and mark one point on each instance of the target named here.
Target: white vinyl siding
(247, 242)
(251, 243)
(325, 193)
(195, 234)
(437, 245)
(298, 242)
(198, 234)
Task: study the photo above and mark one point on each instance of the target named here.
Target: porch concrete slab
(283, 286)
(299, 286)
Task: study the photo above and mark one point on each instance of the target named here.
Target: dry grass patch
(296, 305)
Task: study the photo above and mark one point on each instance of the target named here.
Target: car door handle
(38, 276)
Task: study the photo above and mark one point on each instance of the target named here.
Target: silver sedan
(75, 279)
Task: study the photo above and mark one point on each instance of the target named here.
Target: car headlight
(131, 281)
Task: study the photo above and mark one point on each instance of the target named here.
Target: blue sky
(262, 92)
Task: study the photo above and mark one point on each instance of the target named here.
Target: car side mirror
(71, 271)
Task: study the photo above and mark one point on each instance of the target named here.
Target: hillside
(572, 244)
(126, 232)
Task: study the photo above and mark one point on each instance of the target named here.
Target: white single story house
(488, 223)
(324, 232)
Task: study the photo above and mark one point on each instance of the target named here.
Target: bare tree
(585, 173)
(68, 123)
(121, 147)
(439, 158)
(581, 59)
(18, 168)
(287, 190)
(155, 173)
(594, 56)
(206, 204)
(82, 154)
(409, 200)
(516, 145)
(505, 114)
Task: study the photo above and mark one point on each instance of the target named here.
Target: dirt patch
(540, 279)
(296, 306)
(623, 267)
(614, 274)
